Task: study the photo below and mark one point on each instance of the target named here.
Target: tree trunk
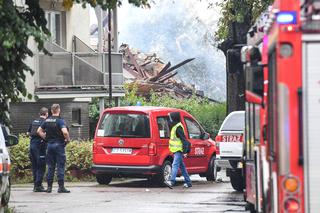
(235, 78)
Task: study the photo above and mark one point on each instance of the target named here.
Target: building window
(54, 24)
(76, 117)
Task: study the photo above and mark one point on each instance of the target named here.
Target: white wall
(77, 23)
(32, 63)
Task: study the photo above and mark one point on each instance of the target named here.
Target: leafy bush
(78, 154)
(9, 209)
(20, 160)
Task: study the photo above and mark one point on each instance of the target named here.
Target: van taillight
(1, 166)
(152, 149)
(94, 147)
(218, 140)
(217, 148)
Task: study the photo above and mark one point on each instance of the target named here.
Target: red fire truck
(282, 71)
(256, 167)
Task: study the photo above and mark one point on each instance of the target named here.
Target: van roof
(145, 109)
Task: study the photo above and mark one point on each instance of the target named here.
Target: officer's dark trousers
(38, 161)
(56, 157)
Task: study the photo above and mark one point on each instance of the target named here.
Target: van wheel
(237, 180)
(211, 174)
(6, 196)
(165, 173)
(103, 179)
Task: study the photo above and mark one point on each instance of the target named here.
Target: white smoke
(178, 30)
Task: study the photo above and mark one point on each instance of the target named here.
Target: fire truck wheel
(211, 174)
(237, 180)
(103, 179)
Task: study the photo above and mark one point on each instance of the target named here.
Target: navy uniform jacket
(52, 126)
(33, 127)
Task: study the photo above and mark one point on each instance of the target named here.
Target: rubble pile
(150, 73)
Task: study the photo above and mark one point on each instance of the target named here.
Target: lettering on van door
(199, 151)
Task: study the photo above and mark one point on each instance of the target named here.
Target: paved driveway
(131, 195)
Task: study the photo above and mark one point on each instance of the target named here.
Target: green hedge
(78, 154)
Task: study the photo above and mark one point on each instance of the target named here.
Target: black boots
(39, 188)
(61, 188)
(49, 189)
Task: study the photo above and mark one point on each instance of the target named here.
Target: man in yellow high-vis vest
(179, 146)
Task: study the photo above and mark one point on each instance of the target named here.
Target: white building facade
(73, 74)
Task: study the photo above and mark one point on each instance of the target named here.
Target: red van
(134, 142)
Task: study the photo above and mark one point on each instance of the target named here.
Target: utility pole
(99, 14)
(109, 57)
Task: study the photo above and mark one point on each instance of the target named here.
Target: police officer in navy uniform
(54, 130)
(37, 151)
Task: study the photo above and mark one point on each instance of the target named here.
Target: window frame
(272, 101)
(50, 24)
(197, 124)
(147, 117)
(166, 118)
(78, 121)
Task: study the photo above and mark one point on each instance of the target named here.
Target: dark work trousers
(38, 160)
(56, 157)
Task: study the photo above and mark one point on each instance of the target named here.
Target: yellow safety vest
(175, 144)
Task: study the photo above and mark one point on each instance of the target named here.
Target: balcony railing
(81, 68)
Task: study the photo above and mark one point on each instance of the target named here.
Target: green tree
(16, 28)
(237, 16)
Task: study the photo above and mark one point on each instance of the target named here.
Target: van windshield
(124, 125)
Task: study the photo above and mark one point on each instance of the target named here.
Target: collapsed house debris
(150, 73)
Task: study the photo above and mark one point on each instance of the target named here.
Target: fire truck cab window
(271, 129)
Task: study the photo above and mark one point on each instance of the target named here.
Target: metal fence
(70, 69)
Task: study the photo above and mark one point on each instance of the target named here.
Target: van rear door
(231, 135)
(122, 138)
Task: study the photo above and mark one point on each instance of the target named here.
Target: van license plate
(121, 151)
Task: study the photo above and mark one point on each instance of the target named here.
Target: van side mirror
(205, 136)
(11, 140)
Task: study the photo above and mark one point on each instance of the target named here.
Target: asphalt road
(131, 195)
